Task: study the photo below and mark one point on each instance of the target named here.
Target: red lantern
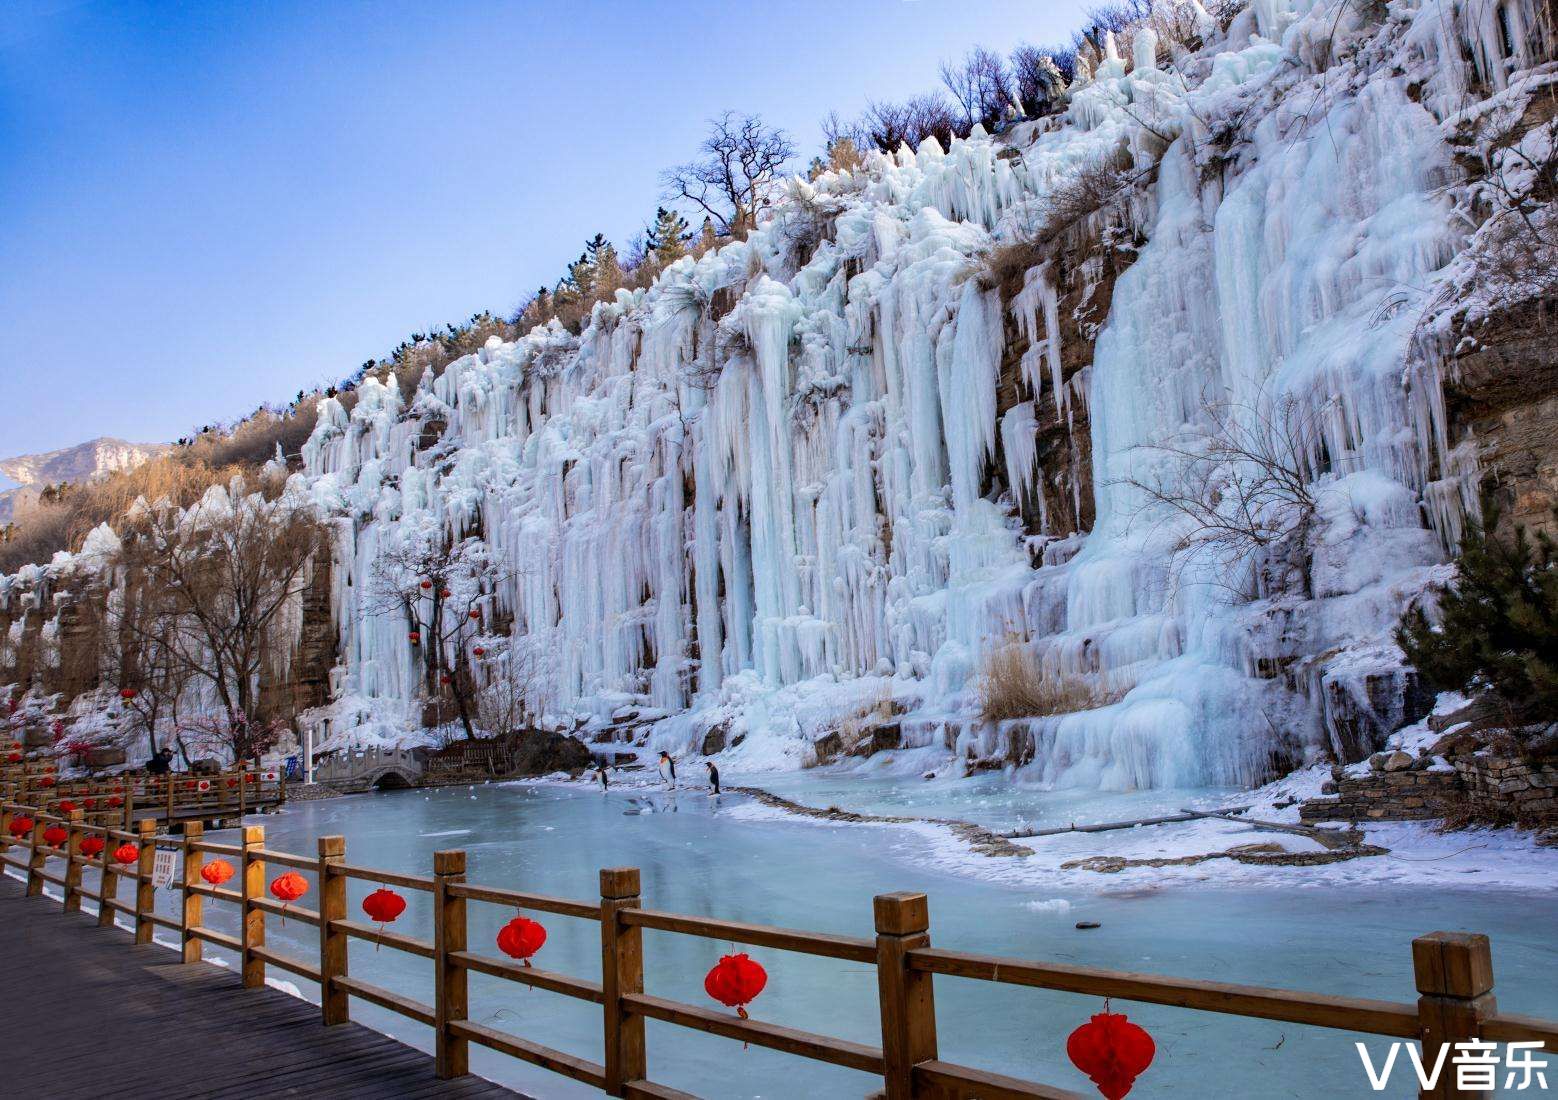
(115, 800)
(521, 938)
(1112, 1051)
(444, 593)
(445, 680)
(475, 614)
(46, 781)
(14, 758)
(384, 906)
(735, 981)
(127, 693)
(479, 651)
(217, 872)
(251, 778)
(232, 781)
(66, 806)
(289, 887)
(55, 835)
(427, 584)
(91, 845)
(21, 826)
(90, 803)
(416, 639)
(126, 853)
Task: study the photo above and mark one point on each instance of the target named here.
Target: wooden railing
(124, 799)
(1453, 971)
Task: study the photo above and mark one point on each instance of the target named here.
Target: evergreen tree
(608, 269)
(581, 277)
(667, 237)
(1499, 625)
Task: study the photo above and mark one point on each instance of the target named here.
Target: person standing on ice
(600, 776)
(668, 769)
(713, 777)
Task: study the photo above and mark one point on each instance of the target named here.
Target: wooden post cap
(1452, 964)
(332, 845)
(254, 834)
(901, 914)
(75, 817)
(619, 882)
(194, 829)
(146, 826)
(449, 862)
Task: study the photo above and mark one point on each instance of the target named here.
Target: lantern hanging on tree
(416, 639)
(127, 694)
(21, 826)
(1112, 1051)
(521, 938)
(479, 652)
(475, 614)
(735, 981)
(426, 585)
(92, 846)
(55, 835)
(444, 593)
(126, 853)
(217, 871)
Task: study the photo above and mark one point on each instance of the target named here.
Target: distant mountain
(83, 462)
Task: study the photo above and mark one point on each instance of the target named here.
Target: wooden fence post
(253, 932)
(907, 998)
(107, 883)
(451, 1002)
(622, 971)
(145, 889)
(333, 1000)
(194, 904)
(35, 857)
(1454, 973)
(73, 864)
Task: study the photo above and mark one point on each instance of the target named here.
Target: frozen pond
(721, 861)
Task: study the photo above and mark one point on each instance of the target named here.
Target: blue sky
(207, 205)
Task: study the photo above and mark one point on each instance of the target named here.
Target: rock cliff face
(1154, 400)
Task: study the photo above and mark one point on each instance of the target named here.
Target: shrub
(1012, 685)
(1497, 628)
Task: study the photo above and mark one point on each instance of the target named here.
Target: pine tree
(1499, 625)
(667, 237)
(608, 269)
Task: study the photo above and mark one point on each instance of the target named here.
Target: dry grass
(1012, 685)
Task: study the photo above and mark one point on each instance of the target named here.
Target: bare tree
(141, 660)
(738, 163)
(981, 85)
(507, 701)
(219, 581)
(1239, 486)
(889, 126)
(439, 586)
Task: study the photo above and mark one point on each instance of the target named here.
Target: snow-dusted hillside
(83, 462)
(782, 488)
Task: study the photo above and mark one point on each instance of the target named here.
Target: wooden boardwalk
(89, 1014)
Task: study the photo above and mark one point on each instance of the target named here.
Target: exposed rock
(1397, 761)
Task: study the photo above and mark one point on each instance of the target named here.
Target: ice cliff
(795, 483)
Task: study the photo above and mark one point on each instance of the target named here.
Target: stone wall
(1477, 787)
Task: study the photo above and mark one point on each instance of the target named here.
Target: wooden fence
(126, 798)
(1454, 973)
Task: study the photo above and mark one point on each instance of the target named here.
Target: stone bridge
(363, 769)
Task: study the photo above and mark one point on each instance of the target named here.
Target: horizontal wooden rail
(539, 903)
(581, 988)
(385, 938)
(1321, 1010)
(286, 910)
(568, 1065)
(849, 948)
(286, 962)
(286, 859)
(1511, 1028)
(210, 935)
(946, 1081)
(384, 998)
(386, 878)
(821, 1048)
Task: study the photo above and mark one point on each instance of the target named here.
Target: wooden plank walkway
(88, 1014)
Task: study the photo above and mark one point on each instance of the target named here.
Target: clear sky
(206, 205)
